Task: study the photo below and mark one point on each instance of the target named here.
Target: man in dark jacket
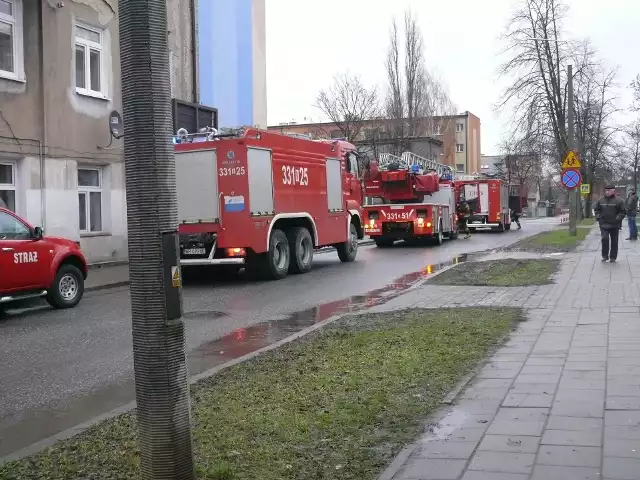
(610, 211)
(464, 213)
(632, 211)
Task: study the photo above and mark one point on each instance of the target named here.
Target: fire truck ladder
(410, 159)
(386, 159)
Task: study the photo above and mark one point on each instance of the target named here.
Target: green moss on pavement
(500, 273)
(339, 403)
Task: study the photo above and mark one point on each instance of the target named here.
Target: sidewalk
(561, 399)
(116, 275)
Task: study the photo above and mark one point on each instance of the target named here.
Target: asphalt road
(61, 368)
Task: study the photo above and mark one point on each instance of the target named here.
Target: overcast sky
(309, 42)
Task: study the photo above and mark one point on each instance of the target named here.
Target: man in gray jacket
(632, 211)
(610, 210)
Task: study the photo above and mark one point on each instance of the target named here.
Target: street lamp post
(159, 354)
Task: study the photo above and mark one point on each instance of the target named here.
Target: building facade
(59, 80)
(60, 168)
(457, 137)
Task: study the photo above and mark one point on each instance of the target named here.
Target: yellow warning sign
(175, 277)
(571, 161)
(585, 189)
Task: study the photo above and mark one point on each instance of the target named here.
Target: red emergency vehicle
(32, 265)
(265, 201)
(488, 199)
(409, 198)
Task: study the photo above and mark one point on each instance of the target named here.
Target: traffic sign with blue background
(571, 178)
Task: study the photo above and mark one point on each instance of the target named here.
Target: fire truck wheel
(301, 250)
(67, 288)
(278, 257)
(438, 237)
(348, 250)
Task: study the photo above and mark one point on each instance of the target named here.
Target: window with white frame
(459, 147)
(90, 199)
(459, 127)
(89, 61)
(11, 46)
(438, 129)
(8, 185)
(459, 167)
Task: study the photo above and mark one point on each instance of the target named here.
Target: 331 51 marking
(295, 175)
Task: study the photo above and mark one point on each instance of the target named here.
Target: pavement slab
(564, 390)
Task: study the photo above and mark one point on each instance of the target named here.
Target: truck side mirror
(38, 233)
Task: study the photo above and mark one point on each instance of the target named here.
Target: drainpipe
(194, 51)
(43, 142)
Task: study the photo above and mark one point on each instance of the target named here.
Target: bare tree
(595, 107)
(348, 104)
(630, 150)
(522, 164)
(635, 88)
(415, 97)
(536, 68)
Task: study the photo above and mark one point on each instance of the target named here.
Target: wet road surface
(61, 368)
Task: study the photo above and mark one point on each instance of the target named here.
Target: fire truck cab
(409, 198)
(488, 199)
(265, 201)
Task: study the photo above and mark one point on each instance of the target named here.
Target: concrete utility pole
(574, 200)
(159, 356)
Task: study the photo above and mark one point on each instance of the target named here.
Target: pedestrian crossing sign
(585, 189)
(571, 161)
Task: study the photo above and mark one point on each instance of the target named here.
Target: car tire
(301, 248)
(67, 288)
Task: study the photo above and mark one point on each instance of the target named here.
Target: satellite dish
(116, 126)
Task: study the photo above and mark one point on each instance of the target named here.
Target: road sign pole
(573, 194)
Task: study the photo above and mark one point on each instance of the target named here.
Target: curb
(70, 432)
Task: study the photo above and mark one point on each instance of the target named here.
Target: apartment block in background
(454, 140)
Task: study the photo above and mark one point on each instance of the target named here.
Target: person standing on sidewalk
(610, 210)
(632, 211)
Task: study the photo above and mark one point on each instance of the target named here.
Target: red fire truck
(409, 198)
(488, 199)
(261, 200)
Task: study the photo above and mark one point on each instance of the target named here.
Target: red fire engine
(409, 198)
(488, 199)
(265, 201)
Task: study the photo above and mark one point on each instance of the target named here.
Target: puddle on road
(243, 341)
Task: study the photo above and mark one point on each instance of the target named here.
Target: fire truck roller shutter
(260, 173)
(334, 185)
(197, 186)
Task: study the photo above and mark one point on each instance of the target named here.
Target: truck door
(353, 186)
(24, 262)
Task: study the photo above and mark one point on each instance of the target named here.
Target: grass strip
(500, 273)
(336, 404)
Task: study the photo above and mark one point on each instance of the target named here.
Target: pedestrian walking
(632, 211)
(610, 210)
(515, 217)
(464, 213)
